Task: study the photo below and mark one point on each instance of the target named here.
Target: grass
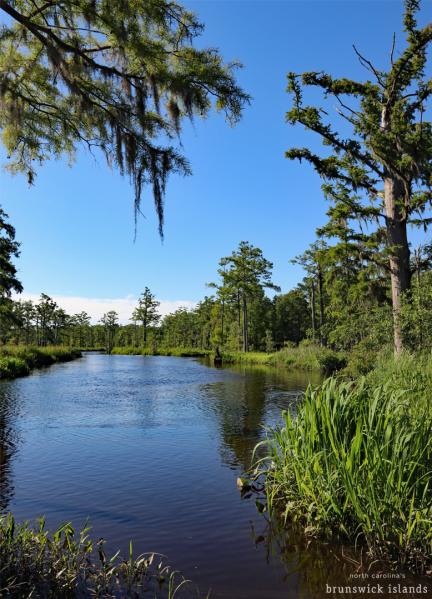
(66, 564)
(304, 357)
(20, 360)
(356, 462)
(184, 352)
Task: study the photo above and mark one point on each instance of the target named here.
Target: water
(149, 449)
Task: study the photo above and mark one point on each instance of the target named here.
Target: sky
(76, 224)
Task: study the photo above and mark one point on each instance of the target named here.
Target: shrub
(20, 360)
(11, 367)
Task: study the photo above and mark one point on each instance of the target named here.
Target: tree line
(344, 302)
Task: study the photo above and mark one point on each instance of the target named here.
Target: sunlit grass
(303, 357)
(356, 462)
(161, 351)
(19, 360)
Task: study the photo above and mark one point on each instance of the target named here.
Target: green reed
(68, 564)
(356, 462)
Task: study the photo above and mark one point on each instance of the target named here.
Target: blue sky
(76, 224)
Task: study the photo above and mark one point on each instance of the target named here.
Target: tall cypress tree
(383, 170)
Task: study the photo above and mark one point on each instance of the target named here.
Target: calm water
(149, 449)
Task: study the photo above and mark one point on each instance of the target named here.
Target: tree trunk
(321, 304)
(239, 321)
(313, 314)
(222, 323)
(145, 332)
(419, 298)
(399, 255)
(245, 325)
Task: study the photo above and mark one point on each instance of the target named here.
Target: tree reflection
(317, 564)
(248, 400)
(8, 444)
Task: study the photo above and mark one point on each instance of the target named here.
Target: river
(149, 449)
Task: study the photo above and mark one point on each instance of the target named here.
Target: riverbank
(16, 361)
(68, 564)
(182, 352)
(356, 463)
(305, 357)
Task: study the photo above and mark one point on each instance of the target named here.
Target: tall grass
(67, 565)
(303, 357)
(19, 360)
(356, 462)
(161, 351)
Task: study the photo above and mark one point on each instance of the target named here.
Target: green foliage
(357, 461)
(18, 361)
(380, 174)
(118, 76)
(184, 352)
(63, 565)
(146, 312)
(9, 249)
(307, 356)
(291, 317)
(12, 367)
(110, 324)
(244, 275)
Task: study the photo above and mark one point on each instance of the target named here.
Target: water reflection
(249, 403)
(8, 443)
(317, 567)
(149, 449)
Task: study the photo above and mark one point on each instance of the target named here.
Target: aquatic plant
(356, 462)
(69, 564)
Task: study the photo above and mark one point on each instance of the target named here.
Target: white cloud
(96, 307)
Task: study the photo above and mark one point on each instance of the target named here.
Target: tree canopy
(119, 76)
(147, 311)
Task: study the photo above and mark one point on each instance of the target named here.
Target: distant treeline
(343, 303)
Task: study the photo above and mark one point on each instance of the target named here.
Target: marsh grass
(19, 360)
(356, 463)
(184, 352)
(306, 357)
(68, 564)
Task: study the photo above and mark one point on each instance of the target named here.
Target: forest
(342, 305)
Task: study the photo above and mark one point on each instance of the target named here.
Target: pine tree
(146, 312)
(110, 323)
(246, 273)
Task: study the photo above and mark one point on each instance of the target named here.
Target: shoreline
(18, 361)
